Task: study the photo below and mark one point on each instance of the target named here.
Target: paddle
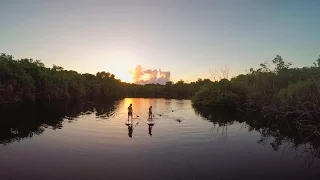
(135, 114)
(136, 124)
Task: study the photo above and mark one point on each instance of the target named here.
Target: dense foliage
(29, 80)
(279, 93)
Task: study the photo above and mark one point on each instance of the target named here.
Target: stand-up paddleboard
(150, 121)
(129, 122)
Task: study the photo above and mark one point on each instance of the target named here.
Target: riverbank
(282, 93)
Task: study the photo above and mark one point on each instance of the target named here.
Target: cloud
(164, 77)
(150, 76)
(137, 74)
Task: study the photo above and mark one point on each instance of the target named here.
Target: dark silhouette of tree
(29, 80)
(282, 93)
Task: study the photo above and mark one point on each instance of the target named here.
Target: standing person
(150, 112)
(130, 112)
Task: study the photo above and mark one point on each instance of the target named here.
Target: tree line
(281, 93)
(29, 80)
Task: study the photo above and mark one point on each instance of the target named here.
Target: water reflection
(105, 109)
(150, 129)
(131, 126)
(130, 130)
(20, 121)
(181, 143)
(280, 135)
(27, 120)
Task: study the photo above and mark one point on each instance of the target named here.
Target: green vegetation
(29, 80)
(281, 93)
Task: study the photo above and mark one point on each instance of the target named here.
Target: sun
(119, 62)
(124, 76)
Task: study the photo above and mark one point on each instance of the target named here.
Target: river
(90, 140)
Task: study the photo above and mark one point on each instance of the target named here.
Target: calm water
(78, 140)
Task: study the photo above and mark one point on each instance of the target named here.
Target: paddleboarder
(150, 112)
(130, 111)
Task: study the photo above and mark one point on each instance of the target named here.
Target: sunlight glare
(122, 62)
(124, 76)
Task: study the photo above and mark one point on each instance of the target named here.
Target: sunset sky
(183, 37)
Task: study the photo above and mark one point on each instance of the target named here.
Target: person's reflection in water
(130, 130)
(150, 129)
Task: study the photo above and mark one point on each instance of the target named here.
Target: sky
(183, 39)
